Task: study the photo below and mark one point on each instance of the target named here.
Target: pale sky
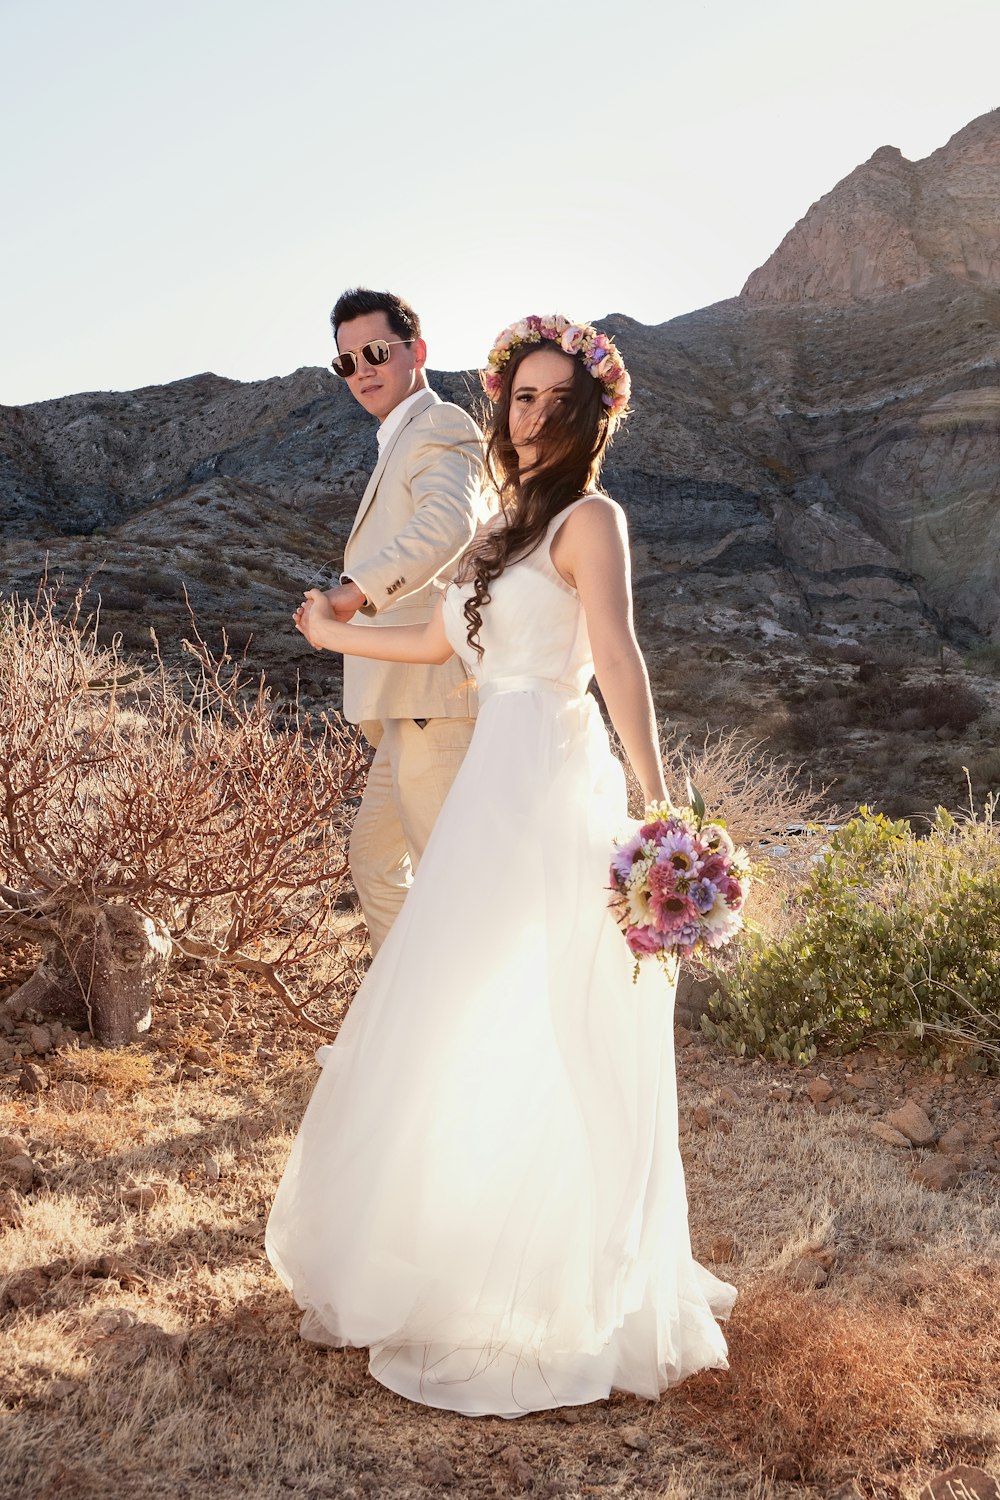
(188, 184)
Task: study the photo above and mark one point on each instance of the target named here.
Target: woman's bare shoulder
(595, 514)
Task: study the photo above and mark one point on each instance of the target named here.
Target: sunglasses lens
(377, 352)
(344, 365)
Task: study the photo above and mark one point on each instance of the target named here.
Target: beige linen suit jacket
(420, 509)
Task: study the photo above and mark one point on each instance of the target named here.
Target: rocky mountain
(814, 462)
(894, 224)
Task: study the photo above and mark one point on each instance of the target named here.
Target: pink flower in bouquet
(713, 867)
(642, 940)
(672, 911)
(718, 840)
(662, 882)
(732, 891)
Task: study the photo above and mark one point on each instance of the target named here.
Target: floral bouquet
(678, 883)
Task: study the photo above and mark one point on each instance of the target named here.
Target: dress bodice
(534, 625)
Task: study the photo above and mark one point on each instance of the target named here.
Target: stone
(519, 1471)
(27, 1288)
(634, 1438)
(110, 1267)
(953, 1141)
(961, 1482)
(113, 1320)
(12, 1145)
(71, 1095)
(910, 1120)
(435, 1468)
(702, 1116)
(938, 1173)
(809, 1272)
(19, 1171)
(886, 1133)
(33, 1079)
(144, 1196)
(820, 1091)
(11, 1216)
(199, 1056)
(40, 1038)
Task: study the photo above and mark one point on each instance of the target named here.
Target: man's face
(380, 388)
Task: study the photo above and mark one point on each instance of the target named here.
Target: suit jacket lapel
(383, 458)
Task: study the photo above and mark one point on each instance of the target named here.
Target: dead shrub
(146, 815)
(816, 723)
(757, 795)
(950, 705)
(824, 1384)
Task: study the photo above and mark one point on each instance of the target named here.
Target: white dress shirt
(389, 424)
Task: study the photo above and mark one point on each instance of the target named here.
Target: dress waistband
(497, 685)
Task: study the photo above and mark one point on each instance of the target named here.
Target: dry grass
(827, 1387)
(150, 1351)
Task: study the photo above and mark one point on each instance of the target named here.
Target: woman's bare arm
(410, 643)
(591, 552)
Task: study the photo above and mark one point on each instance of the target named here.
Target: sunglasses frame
(375, 364)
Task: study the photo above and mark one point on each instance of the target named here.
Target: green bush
(897, 942)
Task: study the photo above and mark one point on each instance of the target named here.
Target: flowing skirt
(486, 1189)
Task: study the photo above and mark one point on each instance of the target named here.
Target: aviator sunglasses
(376, 352)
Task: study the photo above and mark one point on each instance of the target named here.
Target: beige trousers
(408, 781)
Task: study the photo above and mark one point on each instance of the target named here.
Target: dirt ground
(151, 1352)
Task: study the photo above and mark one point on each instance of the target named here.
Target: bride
(486, 1189)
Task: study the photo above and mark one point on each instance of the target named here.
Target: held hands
(313, 614)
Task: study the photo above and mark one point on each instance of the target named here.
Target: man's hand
(345, 599)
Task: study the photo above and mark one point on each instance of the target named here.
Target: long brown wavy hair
(569, 448)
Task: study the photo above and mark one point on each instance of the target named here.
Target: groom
(418, 513)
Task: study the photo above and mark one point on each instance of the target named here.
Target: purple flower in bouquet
(703, 893)
(624, 858)
(686, 938)
(680, 849)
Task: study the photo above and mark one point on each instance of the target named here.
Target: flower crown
(600, 357)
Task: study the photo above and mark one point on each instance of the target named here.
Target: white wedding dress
(486, 1189)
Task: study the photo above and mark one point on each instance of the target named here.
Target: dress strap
(545, 550)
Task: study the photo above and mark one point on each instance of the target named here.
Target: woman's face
(543, 382)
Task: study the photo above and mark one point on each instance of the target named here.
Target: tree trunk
(101, 969)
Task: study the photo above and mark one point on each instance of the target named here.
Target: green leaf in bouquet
(696, 801)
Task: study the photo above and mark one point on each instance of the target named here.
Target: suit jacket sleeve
(444, 472)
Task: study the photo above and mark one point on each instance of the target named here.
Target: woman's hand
(312, 616)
